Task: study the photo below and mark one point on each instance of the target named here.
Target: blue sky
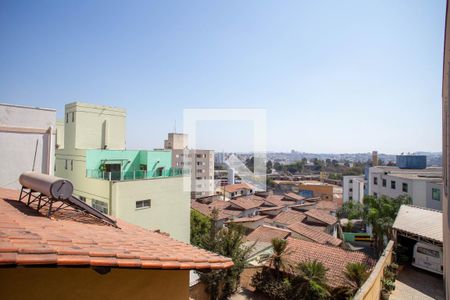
(334, 76)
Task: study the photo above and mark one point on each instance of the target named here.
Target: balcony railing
(137, 174)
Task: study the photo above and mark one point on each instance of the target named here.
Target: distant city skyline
(334, 77)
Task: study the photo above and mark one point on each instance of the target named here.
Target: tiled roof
(321, 216)
(247, 219)
(231, 188)
(424, 222)
(326, 205)
(294, 196)
(266, 233)
(223, 207)
(276, 200)
(315, 235)
(289, 217)
(248, 202)
(29, 238)
(334, 258)
(263, 209)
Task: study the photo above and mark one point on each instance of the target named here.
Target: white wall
(24, 132)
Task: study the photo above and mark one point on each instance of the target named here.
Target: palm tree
(310, 282)
(356, 273)
(277, 261)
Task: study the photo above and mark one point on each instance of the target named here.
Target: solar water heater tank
(51, 186)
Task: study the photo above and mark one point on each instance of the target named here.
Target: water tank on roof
(411, 161)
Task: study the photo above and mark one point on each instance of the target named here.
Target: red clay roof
(266, 233)
(327, 205)
(334, 258)
(247, 219)
(222, 207)
(322, 216)
(231, 188)
(29, 238)
(248, 202)
(289, 217)
(314, 234)
(294, 196)
(276, 200)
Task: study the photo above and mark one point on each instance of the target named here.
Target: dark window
(393, 184)
(404, 187)
(65, 165)
(350, 190)
(350, 181)
(375, 180)
(71, 165)
(375, 195)
(384, 183)
(100, 206)
(436, 194)
(143, 203)
(350, 198)
(67, 117)
(73, 117)
(83, 198)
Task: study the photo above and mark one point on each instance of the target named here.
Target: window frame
(141, 204)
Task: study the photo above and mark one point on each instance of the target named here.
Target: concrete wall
(371, 289)
(353, 187)
(25, 132)
(170, 205)
(89, 126)
(85, 283)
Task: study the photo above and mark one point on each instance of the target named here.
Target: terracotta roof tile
(248, 202)
(231, 188)
(266, 233)
(334, 258)
(315, 235)
(322, 216)
(277, 200)
(294, 196)
(247, 219)
(29, 238)
(289, 217)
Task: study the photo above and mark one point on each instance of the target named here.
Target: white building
(353, 188)
(424, 186)
(200, 162)
(27, 139)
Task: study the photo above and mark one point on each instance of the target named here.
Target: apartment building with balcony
(138, 186)
(200, 162)
(424, 186)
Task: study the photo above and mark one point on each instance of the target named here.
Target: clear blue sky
(334, 76)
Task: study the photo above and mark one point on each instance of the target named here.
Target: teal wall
(132, 159)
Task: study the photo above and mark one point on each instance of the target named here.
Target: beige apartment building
(138, 186)
(200, 163)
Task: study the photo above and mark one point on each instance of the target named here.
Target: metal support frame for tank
(42, 200)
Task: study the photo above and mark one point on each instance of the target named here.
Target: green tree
(269, 167)
(200, 227)
(310, 282)
(380, 213)
(221, 284)
(277, 260)
(356, 274)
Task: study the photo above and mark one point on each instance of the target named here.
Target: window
(404, 187)
(100, 206)
(83, 198)
(350, 190)
(67, 117)
(143, 204)
(375, 180)
(350, 198)
(66, 165)
(71, 165)
(428, 252)
(436, 194)
(384, 183)
(375, 195)
(393, 184)
(350, 181)
(73, 117)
